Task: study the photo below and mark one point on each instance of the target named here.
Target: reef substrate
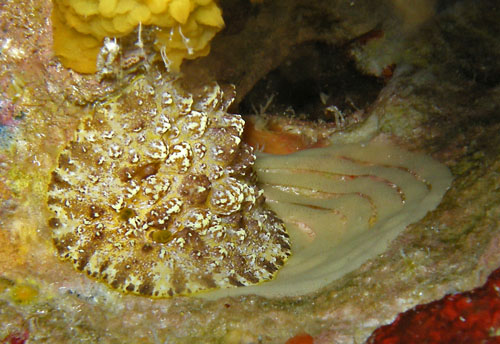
(442, 99)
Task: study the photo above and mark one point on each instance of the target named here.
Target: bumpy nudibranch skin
(155, 196)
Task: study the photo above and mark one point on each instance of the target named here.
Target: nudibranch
(182, 29)
(155, 195)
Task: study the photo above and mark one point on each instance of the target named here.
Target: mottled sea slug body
(155, 196)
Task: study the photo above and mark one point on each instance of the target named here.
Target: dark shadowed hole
(312, 78)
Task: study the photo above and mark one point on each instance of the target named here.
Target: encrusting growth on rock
(183, 29)
(155, 195)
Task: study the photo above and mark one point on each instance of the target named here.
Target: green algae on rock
(154, 195)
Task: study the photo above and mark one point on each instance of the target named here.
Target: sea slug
(155, 195)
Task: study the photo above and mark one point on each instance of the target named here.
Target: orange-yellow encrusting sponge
(184, 28)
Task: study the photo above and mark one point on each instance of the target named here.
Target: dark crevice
(313, 78)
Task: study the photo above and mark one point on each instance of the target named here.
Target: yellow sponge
(184, 28)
